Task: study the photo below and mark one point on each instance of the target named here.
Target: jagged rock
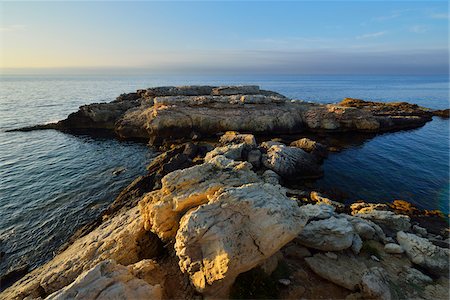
(185, 189)
(317, 211)
(388, 220)
(233, 137)
(233, 152)
(423, 253)
(310, 146)
(345, 271)
(235, 231)
(375, 285)
(290, 162)
(393, 248)
(108, 280)
(121, 239)
(332, 234)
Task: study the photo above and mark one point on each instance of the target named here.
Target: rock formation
(226, 222)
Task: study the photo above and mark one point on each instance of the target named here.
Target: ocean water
(51, 182)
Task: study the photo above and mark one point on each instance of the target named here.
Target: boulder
(186, 189)
(332, 234)
(366, 229)
(291, 162)
(233, 90)
(310, 146)
(345, 271)
(425, 254)
(238, 229)
(233, 152)
(108, 280)
(317, 211)
(414, 276)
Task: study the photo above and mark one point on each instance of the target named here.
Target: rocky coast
(222, 212)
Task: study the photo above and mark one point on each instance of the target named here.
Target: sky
(271, 37)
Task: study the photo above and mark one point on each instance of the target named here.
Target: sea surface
(52, 182)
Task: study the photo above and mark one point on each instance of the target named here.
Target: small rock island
(220, 213)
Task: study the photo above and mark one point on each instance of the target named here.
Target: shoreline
(177, 158)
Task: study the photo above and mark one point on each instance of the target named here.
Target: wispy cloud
(387, 17)
(371, 35)
(439, 16)
(418, 29)
(9, 28)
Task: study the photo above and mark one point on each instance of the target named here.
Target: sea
(52, 182)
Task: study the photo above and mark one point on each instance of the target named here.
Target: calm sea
(51, 182)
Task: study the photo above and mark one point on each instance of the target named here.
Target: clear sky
(295, 37)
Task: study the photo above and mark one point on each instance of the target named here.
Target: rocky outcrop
(237, 230)
(121, 238)
(423, 253)
(170, 113)
(379, 214)
(185, 189)
(108, 280)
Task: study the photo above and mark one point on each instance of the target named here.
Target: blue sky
(295, 37)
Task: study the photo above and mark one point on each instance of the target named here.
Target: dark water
(52, 182)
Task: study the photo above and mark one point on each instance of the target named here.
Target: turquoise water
(51, 182)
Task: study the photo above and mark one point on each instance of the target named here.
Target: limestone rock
(290, 162)
(233, 137)
(233, 152)
(332, 234)
(108, 280)
(235, 231)
(121, 239)
(345, 271)
(374, 284)
(366, 229)
(317, 211)
(393, 248)
(414, 276)
(185, 189)
(423, 253)
(310, 146)
(385, 218)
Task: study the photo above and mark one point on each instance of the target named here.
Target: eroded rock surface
(185, 189)
(237, 230)
(423, 253)
(108, 280)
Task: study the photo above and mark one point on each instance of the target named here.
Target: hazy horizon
(280, 38)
